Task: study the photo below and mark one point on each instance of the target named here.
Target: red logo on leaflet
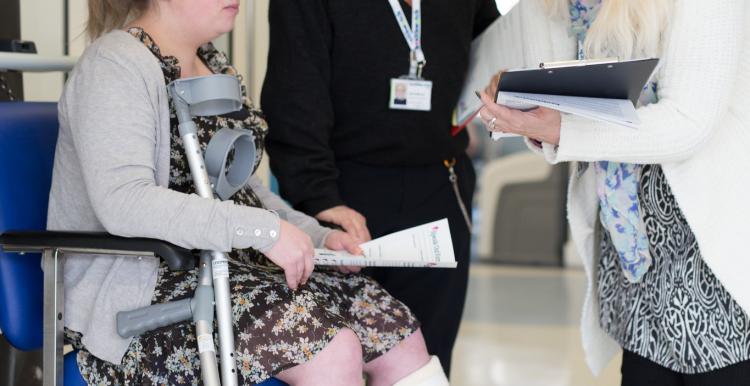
(435, 243)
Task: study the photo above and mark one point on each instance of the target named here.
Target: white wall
(505, 5)
(42, 22)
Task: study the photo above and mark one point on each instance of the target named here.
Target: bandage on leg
(431, 374)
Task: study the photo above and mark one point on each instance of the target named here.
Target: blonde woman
(120, 167)
(668, 273)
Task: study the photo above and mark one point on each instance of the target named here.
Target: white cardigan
(699, 132)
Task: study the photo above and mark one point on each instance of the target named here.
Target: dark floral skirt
(275, 328)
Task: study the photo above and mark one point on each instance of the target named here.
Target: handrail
(13, 61)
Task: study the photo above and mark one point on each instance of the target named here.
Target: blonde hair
(623, 28)
(107, 15)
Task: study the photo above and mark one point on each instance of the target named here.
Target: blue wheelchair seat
(28, 135)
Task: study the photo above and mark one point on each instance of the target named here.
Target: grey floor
(520, 328)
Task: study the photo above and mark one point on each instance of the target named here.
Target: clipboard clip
(573, 63)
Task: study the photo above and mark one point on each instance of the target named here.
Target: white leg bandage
(431, 374)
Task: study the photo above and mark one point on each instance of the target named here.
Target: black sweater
(326, 90)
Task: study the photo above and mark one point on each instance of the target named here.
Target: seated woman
(120, 167)
(667, 277)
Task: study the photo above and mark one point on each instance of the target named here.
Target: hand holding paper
(606, 91)
(538, 123)
(427, 245)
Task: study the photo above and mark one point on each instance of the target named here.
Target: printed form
(427, 245)
(617, 111)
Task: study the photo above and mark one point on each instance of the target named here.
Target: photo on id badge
(411, 94)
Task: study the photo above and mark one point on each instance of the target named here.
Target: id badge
(411, 94)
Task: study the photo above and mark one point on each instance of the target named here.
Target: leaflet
(427, 245)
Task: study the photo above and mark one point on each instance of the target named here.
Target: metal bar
(53, 318)
(220, 266)
(204, 324)
(35, 62)
(250, 33)
(85, 251)
(219, 263)
(66, 28)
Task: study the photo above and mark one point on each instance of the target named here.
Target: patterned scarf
(617, 184)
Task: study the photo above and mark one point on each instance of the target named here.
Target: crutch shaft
(204, 322)
(219, 260)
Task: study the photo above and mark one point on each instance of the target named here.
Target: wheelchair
(31, 259)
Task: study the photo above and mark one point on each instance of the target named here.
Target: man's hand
(352, 221)
(293, 252)
(340, 241)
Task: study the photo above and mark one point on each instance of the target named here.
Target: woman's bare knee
(403, 359)
(339, 363)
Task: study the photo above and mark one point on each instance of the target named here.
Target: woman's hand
(293, 252)
(340, 241)
(541, 124)
(352, 221)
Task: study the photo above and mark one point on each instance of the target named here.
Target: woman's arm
(322, 237)
(306, 223)
(108, 105)
(700, 66)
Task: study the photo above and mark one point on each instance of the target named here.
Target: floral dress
(275, 327)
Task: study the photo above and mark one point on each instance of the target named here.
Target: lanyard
(412, 34)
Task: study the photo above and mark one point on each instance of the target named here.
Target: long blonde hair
(623, 28)
(107, 15)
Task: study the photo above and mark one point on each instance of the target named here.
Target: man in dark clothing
(342, 154)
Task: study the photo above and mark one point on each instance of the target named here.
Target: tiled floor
(521, 329)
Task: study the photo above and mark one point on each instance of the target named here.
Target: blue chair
(31, 299)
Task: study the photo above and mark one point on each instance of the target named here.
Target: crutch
(204, 96)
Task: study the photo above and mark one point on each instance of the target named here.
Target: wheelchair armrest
(177, 258)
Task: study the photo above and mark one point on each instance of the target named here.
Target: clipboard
(603, 78)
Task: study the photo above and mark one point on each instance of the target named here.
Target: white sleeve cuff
(547, 150)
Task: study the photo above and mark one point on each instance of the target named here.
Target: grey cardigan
(111, 174)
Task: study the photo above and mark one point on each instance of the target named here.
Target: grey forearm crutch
(204, 96)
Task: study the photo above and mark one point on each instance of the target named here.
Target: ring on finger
(491, 123)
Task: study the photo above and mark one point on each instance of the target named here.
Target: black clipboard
(600, 79)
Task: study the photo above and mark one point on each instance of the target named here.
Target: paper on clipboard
(616, 111)
(605, 90)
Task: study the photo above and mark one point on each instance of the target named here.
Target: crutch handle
(138, 321)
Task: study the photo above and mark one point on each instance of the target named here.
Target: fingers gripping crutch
(203, 96)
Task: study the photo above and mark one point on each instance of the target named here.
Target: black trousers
(394, 198)
(639, 371)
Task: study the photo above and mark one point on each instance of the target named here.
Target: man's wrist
(315, 206)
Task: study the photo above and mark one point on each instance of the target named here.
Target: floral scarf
(617, 184)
